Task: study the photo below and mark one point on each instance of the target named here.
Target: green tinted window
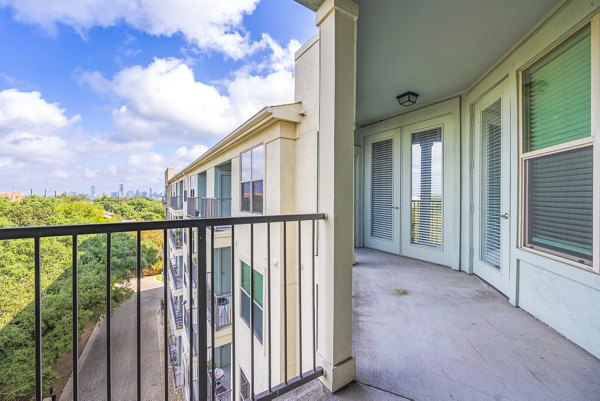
(557, 95)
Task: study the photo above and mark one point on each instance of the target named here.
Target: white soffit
(436, 48)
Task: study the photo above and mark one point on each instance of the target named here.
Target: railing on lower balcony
(215, 207)
(302, 310)
(177, 314)
(176, 238)
(192, 207)
(177, 278)
(176, 203)
(222, 307)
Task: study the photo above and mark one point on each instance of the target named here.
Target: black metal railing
(198, 339)
(222, 308)
(177, 314)
(215, 207)
(192, 207)
(177, 278)
(176, 202)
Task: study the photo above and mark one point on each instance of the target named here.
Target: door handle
(504, 216)
(396, 207)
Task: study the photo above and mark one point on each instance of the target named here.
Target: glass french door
(491, 180)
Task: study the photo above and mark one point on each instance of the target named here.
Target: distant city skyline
(92, 192)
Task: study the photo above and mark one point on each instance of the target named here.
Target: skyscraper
(121, 190)
(93, 192)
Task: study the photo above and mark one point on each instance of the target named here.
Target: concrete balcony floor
(426, 332)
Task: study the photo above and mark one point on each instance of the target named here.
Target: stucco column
(336, 20)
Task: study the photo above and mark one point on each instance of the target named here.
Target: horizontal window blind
(427, 200)
(382, 189)
(491, 184)
(560, 203)
(557, 95)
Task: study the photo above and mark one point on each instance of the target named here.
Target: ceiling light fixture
(407, 99)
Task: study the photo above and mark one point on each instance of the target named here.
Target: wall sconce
(407, 99)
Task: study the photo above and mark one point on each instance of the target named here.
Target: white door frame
(498, 278)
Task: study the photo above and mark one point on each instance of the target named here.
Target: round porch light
(407, 99)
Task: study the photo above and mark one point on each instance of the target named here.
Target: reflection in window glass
(427, 200)
(257, 196)
(246, 196)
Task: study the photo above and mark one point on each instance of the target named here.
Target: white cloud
(113, 169)
(31, 128)
(207, 24)
(165, 100)
(61, 173)
(185, 156)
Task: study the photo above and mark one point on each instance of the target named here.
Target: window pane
(560, 203)
(426, 205)
(257, 196)
(490, 183)
(258, 163)
(245, 312)
(557, 95)
(258, 321)
(258, 288)
(246, 277)
(246, 196)
(246, 165)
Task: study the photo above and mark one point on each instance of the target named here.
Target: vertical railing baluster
(202, 338)
(75, 312)
(299, 288)
(138, 333)
(233, 264)
(212, 311)
(191, 321)
(108, 308)
(314, 302)
(269, 300)
(285, 339)
(165, 316)
(38, 318)
(252, 311)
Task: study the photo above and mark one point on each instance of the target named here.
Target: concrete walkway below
(92, 363)
(426, 332)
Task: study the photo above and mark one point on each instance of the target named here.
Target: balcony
(176, 238)
(128, 323)
(215, 207)
(192, 207)
(176, 278)
(176, 203)
(176, 314)
(222, 308)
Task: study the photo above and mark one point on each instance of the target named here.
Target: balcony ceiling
(436, 48)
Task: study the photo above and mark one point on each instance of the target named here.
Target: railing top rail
(105, 228)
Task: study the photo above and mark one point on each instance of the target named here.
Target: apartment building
(267, 166)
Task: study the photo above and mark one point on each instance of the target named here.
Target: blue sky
(105, 92)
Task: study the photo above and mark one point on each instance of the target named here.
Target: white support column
(336, 20)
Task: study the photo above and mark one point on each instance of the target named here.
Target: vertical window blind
(491, 175)
(427, 198)
(557, 111)
(382, 189)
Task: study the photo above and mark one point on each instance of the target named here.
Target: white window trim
(593, 140)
